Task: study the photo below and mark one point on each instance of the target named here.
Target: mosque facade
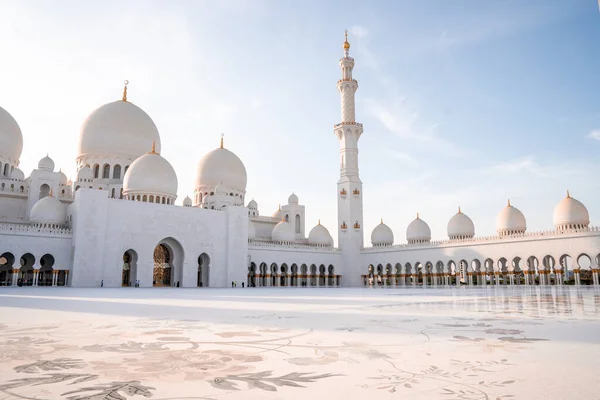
(119, 223)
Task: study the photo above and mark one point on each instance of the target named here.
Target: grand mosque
(119, 223)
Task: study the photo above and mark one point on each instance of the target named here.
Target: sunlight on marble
(495, 342)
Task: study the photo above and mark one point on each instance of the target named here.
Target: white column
(15, 276)
(36, 274)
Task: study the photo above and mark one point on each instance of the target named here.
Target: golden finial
(460, 212)
(126, 82)
(346, 44)
(279, 207)
(153, 151)
(381, 221)
(509, 203)
(568, 194)
(418, 216)
(222, 134)
(319, 221)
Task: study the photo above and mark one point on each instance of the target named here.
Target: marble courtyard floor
(300, 343)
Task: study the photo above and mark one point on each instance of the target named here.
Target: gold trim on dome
(346, 44)
(125, 82)
(153, 151)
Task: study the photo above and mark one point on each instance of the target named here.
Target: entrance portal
(162, 274)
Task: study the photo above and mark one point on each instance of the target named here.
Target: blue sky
(463, 102)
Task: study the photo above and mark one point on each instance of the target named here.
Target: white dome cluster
(11, 142)
(418, 231)
(570, 214)
(283, 233)
(151, 178)
(48, 212)
(460, 227)
(510, 221)
(320, 236)
(382, 235)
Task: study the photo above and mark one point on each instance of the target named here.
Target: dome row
(569, 214)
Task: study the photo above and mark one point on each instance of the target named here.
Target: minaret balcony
(347, 80)
(347, 123)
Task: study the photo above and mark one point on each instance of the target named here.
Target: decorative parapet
(265, 218)
(486, 239)
(291, 246)
(28, 230)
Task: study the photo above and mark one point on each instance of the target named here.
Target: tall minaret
(350, 206)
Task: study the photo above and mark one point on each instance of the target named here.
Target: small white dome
(251, 231)
(221, 166)
(85, 173)
(510, 221)
(418, 231)
(278, 214)
(461, 226)
(46, 164)
(11, 138)
(382, 235)
(293, 199)
(283, 232)
(150, 174)
(117, 128)
(62, 178)
(320, 236)
(570, 213)
(187, 202)
(253, 205)
(48, 210)
(17, 175)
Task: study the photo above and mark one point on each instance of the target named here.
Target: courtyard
(495, 342)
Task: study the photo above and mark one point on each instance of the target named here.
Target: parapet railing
(272, 245)
(23, 229)
(485, 239)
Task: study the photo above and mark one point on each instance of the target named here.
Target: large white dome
(418, 231)
(150, 174)
(510, 221)
(117, 128)
(461, 226)
(570, 213)
(283, 232)
(11, 138)
(221, 166)
(48, 210)
(382, 235)
(320, 236)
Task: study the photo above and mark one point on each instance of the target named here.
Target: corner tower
(349, 187)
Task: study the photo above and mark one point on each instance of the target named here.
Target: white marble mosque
(119, 222)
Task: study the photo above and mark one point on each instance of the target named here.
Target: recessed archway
(251, 275)
(168, 263)
(46, 271)
(129, 269)
(203, 278)
(26, 271)
(7, 261)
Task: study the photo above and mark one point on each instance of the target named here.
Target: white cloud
(595, 134)
(359, 31)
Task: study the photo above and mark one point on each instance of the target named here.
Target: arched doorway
(321, 275)
(294, 275)
(203, 270)
(263, 274)
(168, 263)
(162, 274)
(313, 275)
(251, 275)
(129, 270)
(303, 275)
(274, 272)
(331, 276)
(44, 191)
(46, 272)
(7, 260)
(284, 275)
(26, 271)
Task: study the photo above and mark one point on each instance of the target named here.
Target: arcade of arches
(263, 275)
(31, 272)
(583, 270)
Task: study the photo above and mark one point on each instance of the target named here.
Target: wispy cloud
(595, 134)
(359, 31)
(403, 157)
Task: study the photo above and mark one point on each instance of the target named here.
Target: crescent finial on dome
(568, 194)
(319, 222)
(418, 216)
(126, 82)
(509, 203)
(346, 44)
(153, 151)
(222, 134)
(459, 211)
(381, 223)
